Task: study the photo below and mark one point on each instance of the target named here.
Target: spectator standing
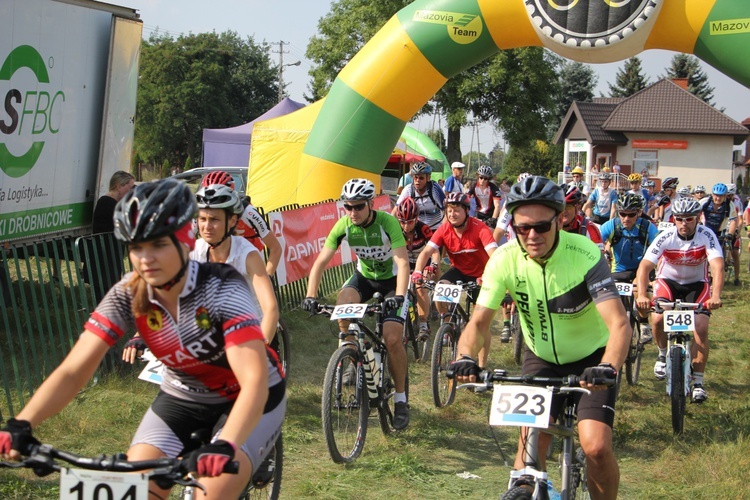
(453, 184)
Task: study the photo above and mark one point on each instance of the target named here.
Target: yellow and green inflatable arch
(430, 41)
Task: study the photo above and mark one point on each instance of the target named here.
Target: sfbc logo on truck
(26, 115)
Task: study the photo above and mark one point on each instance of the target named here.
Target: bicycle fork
(686, 358)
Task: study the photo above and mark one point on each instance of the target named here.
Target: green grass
(711, 460)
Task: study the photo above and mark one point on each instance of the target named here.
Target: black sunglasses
(626, 215)
(354, 208)
(484, 178)
(539, 227)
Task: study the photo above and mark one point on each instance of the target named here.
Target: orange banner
(657, 144)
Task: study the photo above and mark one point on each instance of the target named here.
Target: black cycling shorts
(366, 288)
(453, 275)
(598, 406)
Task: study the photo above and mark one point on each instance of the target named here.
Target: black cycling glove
(136, 343)
(16, 435)
(210, 460)
(310, 304)
(393, 303)
(600, 374)
(465, 366)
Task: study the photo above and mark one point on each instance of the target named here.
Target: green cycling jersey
(373, 243)
(556, 300)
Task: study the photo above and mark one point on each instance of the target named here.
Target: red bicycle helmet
(458, 199)
(573, 195)
(217, 177)
(407, 210)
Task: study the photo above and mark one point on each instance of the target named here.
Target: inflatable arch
(429, 41)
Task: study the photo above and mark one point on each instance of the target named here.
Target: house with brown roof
(661, 131)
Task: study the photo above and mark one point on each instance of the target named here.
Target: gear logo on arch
(589, 23)
(26, 114)
(462, 28)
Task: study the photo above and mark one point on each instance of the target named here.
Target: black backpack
(642, 232)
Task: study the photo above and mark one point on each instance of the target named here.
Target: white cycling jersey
(504, 222)
(684, 261)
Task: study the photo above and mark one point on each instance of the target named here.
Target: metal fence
(47, 292)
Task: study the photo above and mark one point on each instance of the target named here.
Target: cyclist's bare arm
(498, 234)
(263, 288)
(401, 258)
(64, 383)
(642, 300)
(274, 253)
(249, 364)
(428, 251)
(613, 313)
(476, 335)
(316, 273)
(717, 284)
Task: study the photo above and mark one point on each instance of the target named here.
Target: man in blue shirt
(600, 206)
(453, 184)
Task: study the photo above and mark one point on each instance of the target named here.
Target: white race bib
(349, 311)
(521, 405)
(78, 484)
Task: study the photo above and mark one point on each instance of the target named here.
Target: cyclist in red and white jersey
(575, 221)
(684, 253)
(251, 224)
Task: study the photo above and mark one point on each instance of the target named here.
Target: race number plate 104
(521, 405)
(445, 292)
(679, 321)
(77, 484)
(624, 289)
(349, 311)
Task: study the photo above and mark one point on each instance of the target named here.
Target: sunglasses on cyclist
(627, 215)
(406, 221)
(484, 178)
(539, 227)
(354, 208)
(685, 219)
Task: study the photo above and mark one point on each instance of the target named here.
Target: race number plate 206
(679, 321)
(446, 292)
(78, 484)
(349, 311)
(521, 405)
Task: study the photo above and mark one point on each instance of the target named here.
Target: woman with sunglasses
(382, 266)
(572, 318)
(684, 254)
(487, 196)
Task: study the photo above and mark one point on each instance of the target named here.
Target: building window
(646, 162)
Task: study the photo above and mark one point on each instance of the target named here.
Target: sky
(295, 21)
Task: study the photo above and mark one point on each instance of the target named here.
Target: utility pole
(281, 43)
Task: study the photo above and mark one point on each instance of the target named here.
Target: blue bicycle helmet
(719, 189)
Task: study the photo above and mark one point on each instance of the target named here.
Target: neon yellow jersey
(557, 300)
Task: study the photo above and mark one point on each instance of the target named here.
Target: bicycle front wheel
(633, 361)
(517, 334)
(281, 345)
(266, 482)
(677, 380)
(345, 405)
(443, 353)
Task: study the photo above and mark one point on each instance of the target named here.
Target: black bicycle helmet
(535, 190)
(630, 201)
(573, 194)
(154, 209)
(670, 183)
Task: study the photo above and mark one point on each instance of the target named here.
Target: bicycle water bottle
(377, 372)
(369, 366)
(552, 493)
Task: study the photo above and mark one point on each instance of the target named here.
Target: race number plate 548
(679, 321)
(77, 484)
(520, 405)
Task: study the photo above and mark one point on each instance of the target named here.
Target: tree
(577, 83)
(196, 82)
(535, 157)
(629, 79)
(687, 66)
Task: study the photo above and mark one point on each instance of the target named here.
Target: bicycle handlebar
(165, 471)
(661, 305)
(468, 286)
(487, 377)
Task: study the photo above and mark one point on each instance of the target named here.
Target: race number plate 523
(446, 292)
(679, 321)
(77, 484)
(349, 311)
(520, 405)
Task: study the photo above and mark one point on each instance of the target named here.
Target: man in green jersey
(382, 266)
(571, 315)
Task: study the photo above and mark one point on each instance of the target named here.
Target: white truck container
(68, 80)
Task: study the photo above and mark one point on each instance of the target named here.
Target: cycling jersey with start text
(373, 244)
(214, 314)
(684, 261)
(557, 300)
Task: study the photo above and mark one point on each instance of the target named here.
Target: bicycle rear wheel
(677, 380)
(444, 349)
(517, 334)
(266, 482)
(633, 360)
(386, 406)
(345, 406)
(281, 345)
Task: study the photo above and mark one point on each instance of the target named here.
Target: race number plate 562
(77, 484)
(679, 321)
(349, 311)
(520, 405)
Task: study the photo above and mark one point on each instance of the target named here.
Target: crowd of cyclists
(553, 252)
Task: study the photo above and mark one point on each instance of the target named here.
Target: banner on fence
(302, 233)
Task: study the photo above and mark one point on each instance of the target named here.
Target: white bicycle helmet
(686, 206)
(219, 196)
(485, 171)
(732, 188)
(358, 189)
(684, 191)
(700, 188)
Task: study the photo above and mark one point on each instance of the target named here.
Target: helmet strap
(228, 231)
(169, 284)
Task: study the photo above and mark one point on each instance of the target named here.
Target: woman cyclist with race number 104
(572, 318)
(217, 364)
